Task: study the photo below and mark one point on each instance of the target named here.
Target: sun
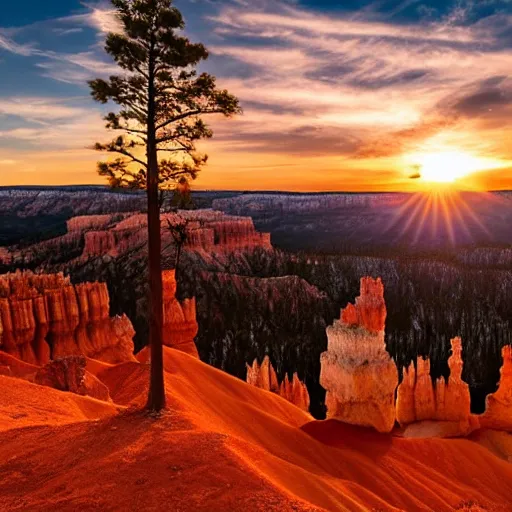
(447, 167)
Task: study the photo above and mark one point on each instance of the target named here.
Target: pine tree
(161, 99)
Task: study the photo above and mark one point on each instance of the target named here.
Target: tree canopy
(160, 88)
(161, 99)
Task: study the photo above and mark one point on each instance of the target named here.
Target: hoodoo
(265, 377)
(44, 316)
(180, 324)
(498, 410)
(420, 399)
(358, 373)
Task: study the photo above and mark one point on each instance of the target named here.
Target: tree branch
(180, 117)
(121, 151)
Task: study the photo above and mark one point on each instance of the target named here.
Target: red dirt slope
(225, 445)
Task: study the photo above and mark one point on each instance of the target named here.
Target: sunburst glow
(449, 166)
(437, 215)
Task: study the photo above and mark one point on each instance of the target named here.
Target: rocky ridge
(113, 235)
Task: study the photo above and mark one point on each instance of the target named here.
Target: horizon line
(238, 191)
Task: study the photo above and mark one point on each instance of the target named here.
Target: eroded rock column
(358, 373)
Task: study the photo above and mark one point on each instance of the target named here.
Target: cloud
(76, 68)
(42, 123)
(7, 44)
(101, 17)
(67, 31)
(39, 109)
(73, 68)
(250, 22)
(78, 132)
(348, 92)
(386, 87)
(483, 101)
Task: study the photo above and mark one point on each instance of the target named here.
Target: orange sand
(225, 446)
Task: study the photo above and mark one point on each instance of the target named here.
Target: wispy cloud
(67, 31)
(346, 93)
(39, 109)
(9, 45)
(101, 17)
(73, 68)
(390, 86)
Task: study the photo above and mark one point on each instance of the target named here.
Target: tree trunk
(156, 398)
(177, 262)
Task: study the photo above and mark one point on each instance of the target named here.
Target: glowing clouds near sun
(449, 166)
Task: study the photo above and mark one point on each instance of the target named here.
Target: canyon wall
(265, 377)
(206, 230)
(44, 316)
(359, 375)
(245, 204)
(77, 200)
(344, 221)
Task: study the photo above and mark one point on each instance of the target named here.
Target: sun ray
(412, 217)
(455, 200)
(403, 209)
(426, 210)
(435, 216)
(475, 217)
(447, 218)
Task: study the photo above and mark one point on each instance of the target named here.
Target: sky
(337, 95)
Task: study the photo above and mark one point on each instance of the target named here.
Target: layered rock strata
(44, 316)
(265, 377)
(117, 234)
(206, 230)
(357, 372)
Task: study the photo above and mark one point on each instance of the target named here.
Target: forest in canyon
(274, 295)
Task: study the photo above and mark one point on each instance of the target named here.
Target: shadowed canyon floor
(225, 445)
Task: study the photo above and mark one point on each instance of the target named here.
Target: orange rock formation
(180, 325)
(206, 230)
(265, 377)
(44, 316)
(224, 445)
(115, 234)
(419, 399)
(69, 374)
(498, 410)
(369, 310)
(87, 222)
(358, 373)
